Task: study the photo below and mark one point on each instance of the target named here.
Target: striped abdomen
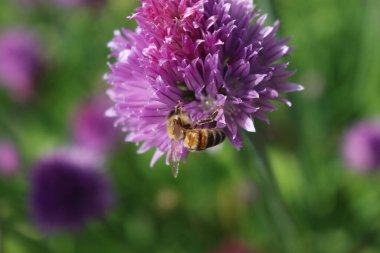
(200, 139)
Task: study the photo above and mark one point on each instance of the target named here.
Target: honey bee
(184, 133)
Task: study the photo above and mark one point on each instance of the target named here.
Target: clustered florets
(206, 54)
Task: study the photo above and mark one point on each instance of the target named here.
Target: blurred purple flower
(205, 54)
(9, 159)
(361, 146)
(91, 129)
(232, 246)
(68, 190)
(20, 62)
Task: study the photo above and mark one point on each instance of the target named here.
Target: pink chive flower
(204, 54)
(91, 129)
(9, 159)
(20, 62)
(361, 146)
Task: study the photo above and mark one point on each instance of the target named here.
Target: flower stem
(274, 204)
(2, 241)
(2, 231)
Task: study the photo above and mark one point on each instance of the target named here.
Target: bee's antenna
(178, 108)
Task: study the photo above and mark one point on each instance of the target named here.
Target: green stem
(275, 206)
(2, 230)
(2, 240)
(7, 126)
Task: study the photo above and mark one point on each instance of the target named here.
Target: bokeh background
(219, 203)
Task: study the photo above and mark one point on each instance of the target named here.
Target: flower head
(361, 146)
(209, 55)
(91, 129)
(20, 62)
(67, 190)
(9, 159)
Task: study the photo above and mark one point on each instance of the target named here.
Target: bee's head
(175, 127)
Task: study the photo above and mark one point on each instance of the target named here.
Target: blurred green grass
(336, 58)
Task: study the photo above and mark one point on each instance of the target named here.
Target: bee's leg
(207, 120)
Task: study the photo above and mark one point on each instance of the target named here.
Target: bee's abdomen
(201, 139)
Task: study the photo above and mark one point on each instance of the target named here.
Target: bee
(184, 133)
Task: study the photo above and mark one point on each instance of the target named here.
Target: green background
(221, 194)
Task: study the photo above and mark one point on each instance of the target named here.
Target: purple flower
(20, 62)
(361, 146)
(68, 190)
(91, 129)
(9, 159)
(208, 55)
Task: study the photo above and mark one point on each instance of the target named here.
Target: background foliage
(218, 194)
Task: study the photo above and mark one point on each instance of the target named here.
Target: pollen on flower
(207, 103)
(216, 58)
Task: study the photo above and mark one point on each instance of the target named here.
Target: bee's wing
(175, 156)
